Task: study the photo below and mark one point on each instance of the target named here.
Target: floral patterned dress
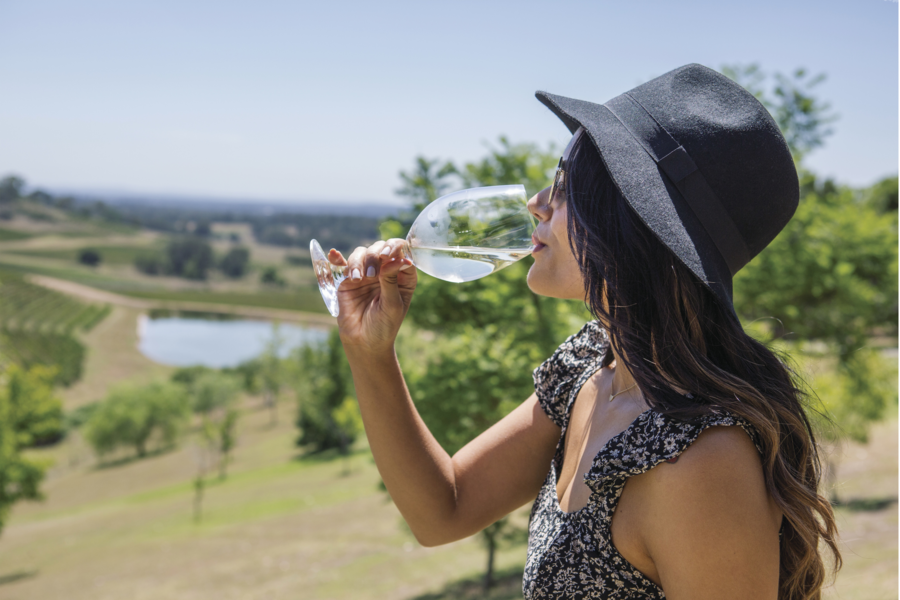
(571, 555)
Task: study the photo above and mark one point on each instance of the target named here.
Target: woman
(667, 453)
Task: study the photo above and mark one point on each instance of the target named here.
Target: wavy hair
(672, 332)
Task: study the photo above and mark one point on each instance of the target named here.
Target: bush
(151, 263)
(271, 276)
(234, 264)
(34, 410)
(133, 416)
(189, 257)
(328, 415)
(89, 257)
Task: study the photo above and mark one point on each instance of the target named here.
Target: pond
(183, 341)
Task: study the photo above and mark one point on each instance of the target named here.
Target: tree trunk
(199, 483)
(491, 547)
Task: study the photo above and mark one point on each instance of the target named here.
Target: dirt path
(255, 312)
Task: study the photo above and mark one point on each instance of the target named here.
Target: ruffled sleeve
(653, 438)
(564, 372)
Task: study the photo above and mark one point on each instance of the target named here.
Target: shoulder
(557, 377)
(710, 512)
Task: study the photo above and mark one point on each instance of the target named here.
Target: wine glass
(459, 237)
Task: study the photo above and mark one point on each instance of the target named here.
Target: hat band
(680, 168)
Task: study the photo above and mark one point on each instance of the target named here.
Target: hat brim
(654, 198)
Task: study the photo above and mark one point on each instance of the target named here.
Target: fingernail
(370, 272)
(405, 267)
(386, 251)
(355, 274)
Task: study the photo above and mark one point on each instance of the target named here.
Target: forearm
(417, 472)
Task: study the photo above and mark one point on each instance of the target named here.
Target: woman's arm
(442, 498)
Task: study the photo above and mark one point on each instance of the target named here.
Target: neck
(622, 378)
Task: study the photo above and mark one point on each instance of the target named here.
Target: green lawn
(11, 235)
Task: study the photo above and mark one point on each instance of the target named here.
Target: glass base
(328, 275)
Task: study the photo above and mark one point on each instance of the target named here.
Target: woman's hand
(374, 298)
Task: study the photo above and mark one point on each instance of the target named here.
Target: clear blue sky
(329, 100)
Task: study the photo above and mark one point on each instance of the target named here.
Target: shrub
(234, 264)
(89, 257)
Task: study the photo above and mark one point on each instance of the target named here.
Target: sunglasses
(558, 188)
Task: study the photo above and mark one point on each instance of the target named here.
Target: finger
(336, 258)
(390, 290)
(373, 259)
(355, 264)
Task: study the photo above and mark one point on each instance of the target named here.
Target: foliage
(11, 188)
(89, 257)
(189, 257)
(213, 390)
(20, 477)
(271, 374)
(33, 409)
(271, 276)
(132, 416)
(802, 117)
(30, 415)
(234, 263)
(853, 403)
(831, 274)
(327, 415)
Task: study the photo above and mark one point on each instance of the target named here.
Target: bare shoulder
(711, 528)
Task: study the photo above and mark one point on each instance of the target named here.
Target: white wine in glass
(459, 237)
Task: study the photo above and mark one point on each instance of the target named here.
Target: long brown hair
(671, 331)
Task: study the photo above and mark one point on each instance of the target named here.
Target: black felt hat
(701, 162)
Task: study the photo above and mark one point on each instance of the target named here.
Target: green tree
(11, 188)
(235, 262)
(803, 118)
(829, 280)
(213, 390)
(190, 257)
(327, 414)
(34, 410)
(271, 373)
(135, 415)
(30, 415)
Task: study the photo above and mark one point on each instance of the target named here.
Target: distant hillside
(249, 206)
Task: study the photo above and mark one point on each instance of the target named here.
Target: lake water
(185, 341)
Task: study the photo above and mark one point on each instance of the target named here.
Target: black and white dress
(571, 555)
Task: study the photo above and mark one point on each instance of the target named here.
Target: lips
(537, 243)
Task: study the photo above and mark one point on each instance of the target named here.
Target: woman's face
(555, 271)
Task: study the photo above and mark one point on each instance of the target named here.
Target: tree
(35, 411)
(829, 280)
(271, 276)
(11, 188)
(89, 257)
(30, 415)
(212, 395)
(212, 390)
(234, 263)
(802, 117)
(134, 415)
(271, 375)
(189, 257)
(327, 415)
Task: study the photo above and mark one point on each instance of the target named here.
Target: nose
(539, 205)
